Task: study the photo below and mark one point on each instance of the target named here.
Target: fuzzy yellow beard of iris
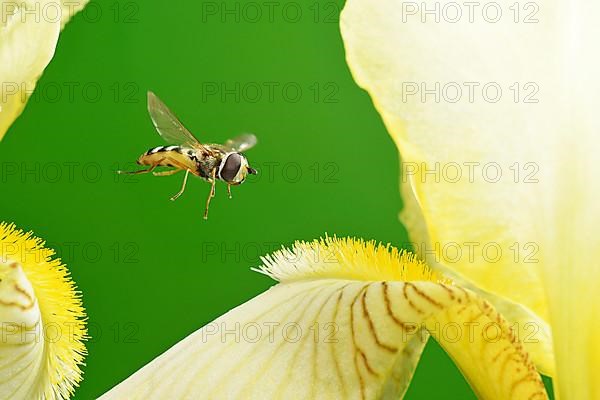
(42, 321)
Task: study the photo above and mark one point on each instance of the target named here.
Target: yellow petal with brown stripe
(485, 348)
(21, 348)
(330, 329)
(541, 209)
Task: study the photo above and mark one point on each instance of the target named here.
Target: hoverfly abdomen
(161, 149)
(169, 156)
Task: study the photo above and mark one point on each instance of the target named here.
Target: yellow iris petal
(478, 147)
(536, 132)
(29, 32)
(42, 321)
(348, 320)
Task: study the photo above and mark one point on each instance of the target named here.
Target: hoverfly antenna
(252, 171)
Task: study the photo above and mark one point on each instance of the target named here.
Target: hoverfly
(185, 153)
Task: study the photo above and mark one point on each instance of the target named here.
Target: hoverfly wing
(241, 143)
(168, 125)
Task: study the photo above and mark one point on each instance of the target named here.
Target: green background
(151, 270)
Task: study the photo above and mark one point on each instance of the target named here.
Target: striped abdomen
(170, 156)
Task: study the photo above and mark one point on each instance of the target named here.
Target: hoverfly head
(234, 168)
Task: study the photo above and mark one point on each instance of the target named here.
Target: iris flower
(42, 321)
(381, 305)
(29, 31)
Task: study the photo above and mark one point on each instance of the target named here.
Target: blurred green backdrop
(151, 270)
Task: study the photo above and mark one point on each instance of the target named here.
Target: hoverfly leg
(213, 190)
(211, 194)
(175, 197)
(142, 171)
(229, 190)
(167, 173)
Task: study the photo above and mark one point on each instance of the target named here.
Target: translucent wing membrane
(168, 125)
(241, 143)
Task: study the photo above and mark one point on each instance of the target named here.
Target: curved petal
(27, 44)
(22, 350)
(320, 334)
(468, 105)
(29, 32)
(528, 325)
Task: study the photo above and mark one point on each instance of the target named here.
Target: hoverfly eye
(231, 167)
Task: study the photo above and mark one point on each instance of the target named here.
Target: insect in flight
(210, 162)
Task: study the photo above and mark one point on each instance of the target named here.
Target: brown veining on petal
(356, 350)
(371, 325)
(424, 295)
(541, 394)
(316, 346)
(388, 307)
(298, 346)
(410, 302)
(467, 296)
(24, 293)
(500, 353)
(23, 307)
(519, 356)
(269, 360)
(476, 317)
(15, 286)
(332, 345)
(367, 365)
(462, 309)
(450, 292)
(231, 343)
